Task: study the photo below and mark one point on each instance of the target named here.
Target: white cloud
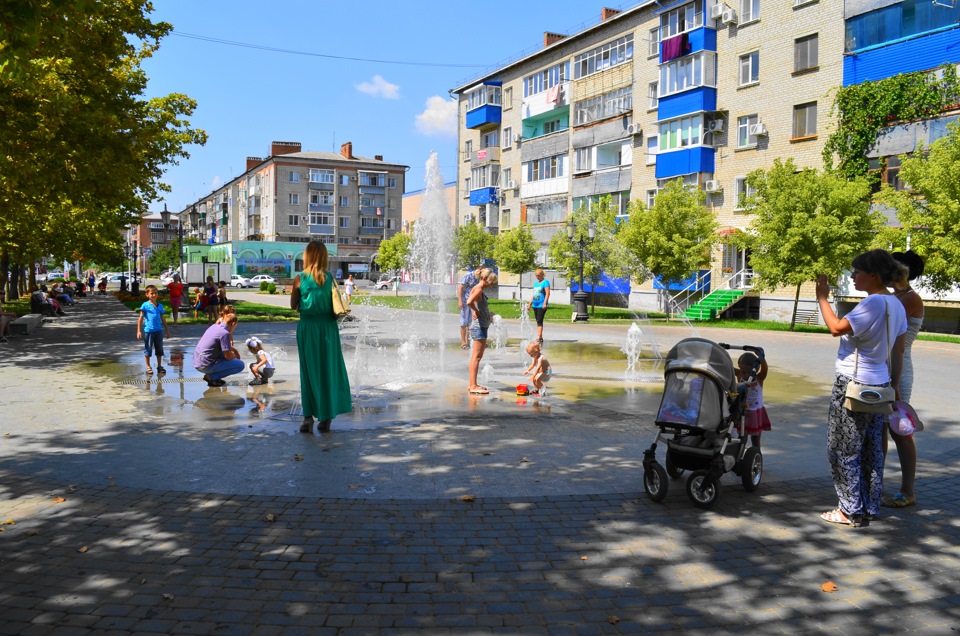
(439, 118)
(379, 87)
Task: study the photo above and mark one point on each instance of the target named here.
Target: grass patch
(21, 306)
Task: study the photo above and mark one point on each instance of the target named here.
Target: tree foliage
(806, 223)
(80, 145)
(472, 245)
(393, 254)
(930, 210)
(605, 253)
(515, 251)
(673, 238)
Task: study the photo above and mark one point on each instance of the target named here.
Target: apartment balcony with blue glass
(685, 161)
(484, 196)
(688, 43)
(483, 105)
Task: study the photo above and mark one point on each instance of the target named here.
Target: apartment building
(148, 235)
(291, 197)
(701, 90)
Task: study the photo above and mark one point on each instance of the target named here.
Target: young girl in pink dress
(757, 420)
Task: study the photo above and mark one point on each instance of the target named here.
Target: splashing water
(526, 332)
(633, 348)
(486, 375)
(498, 333)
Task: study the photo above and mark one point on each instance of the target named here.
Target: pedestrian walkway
(137, 511)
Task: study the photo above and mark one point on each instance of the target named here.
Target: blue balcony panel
(321, 207)
(689, 160)
(702, 39)
(484, 115)
(905, 56)
(691, 101)
(483, 196)
(377, 231)
(321, 229)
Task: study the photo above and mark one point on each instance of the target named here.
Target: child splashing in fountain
(540, 368)
(263, 368)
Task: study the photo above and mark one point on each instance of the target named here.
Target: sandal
(307, 426)
(899, 500)
(840, 517)
(161, 370)
(149, 371)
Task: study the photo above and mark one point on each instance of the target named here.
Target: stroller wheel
(751, 469)
(655, 482)
(703, 490)
(673, 471)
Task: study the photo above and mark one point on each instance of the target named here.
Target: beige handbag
(341, 308)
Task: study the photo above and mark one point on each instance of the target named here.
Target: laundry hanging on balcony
(553, 94)
(676, 46)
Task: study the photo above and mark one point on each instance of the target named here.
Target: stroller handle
(750, 348)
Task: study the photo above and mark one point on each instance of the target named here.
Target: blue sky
(247, 97)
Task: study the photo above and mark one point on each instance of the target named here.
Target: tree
(806, 223)
(930, 210)
(394, 253)
(74, 115)
(604, 254)
(674, 237)
(472, 245)
(516, 251)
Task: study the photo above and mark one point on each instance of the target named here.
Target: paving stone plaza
(136, 506)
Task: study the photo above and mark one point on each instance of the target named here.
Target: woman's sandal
(899, 500)
(307, 426)
(838, 516)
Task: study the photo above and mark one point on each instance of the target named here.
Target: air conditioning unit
(517, 139)
(729, 16)
(634, 129)
(757, 130)
(712, 186)
(715, 125)
(511, 184)
(717, 10)
(353, 178)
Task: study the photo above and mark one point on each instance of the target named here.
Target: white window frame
(650, 197)
(653, 101)
(321, 218)
(654, 142)
(688, 72)
(344, 223)
(293, 220)
(344, 201)
(490, 139)
(804, 44)
(749, 11)
(603, 106)
(653, 43)
(483, 95)
(551, 126)
(607, 55)
(467, 149)
(507, 138)
(806, 132)
(748, 69)
(293, 198)
(544, 80)
(744, 138)
(318, 175)
(344, 179)
(584, 159)
(507, 97)
(681, 20)
(294, 176)
(546, 168)
(741, 190)
(392, 183)
(681, 133)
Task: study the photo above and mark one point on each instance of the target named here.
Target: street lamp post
(165, 215)
(580, 297)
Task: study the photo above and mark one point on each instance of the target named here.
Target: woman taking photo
(870, 335)
(477, 302)
(911, 268)
(324, 385)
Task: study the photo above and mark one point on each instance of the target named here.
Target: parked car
(54, 275)
(387, 283)
(239, 281)
(256, 280)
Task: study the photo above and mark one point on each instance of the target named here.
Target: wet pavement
(188, 509)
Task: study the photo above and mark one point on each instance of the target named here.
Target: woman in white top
(870, 334)
(911, 268)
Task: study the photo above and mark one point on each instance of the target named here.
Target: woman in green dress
(324, 385)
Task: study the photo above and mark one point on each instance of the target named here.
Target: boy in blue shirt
(151, 326)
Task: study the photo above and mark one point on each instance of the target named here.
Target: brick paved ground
(112, 558)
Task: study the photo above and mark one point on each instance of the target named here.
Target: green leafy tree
(472, 245)
(674, 237)
(930, 210)
(161, 258)
(605, 253)
(515, 251)
(806, 223)
(394, 253)
(74, 114)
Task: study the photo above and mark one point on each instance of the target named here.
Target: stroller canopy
(703, 356)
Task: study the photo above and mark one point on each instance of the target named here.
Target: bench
(25, 324)
(808, 317)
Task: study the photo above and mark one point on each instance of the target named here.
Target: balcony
(699, 39)
(695, 100)
(484, 156)
(253, 211)
(674, 163)
(547, 100)
(484, 196)
(326, 230)
(375, 231)
(317, 185)
(321, 207)
(545, 187)
(370, 210)
(371, 189)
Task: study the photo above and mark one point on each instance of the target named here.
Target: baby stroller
(701, 419)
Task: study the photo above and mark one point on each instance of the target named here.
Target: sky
(392, 99)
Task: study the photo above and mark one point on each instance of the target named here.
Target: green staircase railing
(714, 304)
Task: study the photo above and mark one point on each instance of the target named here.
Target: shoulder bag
(871, 398)
(341, 308)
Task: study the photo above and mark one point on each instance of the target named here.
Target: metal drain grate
(164, 380)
